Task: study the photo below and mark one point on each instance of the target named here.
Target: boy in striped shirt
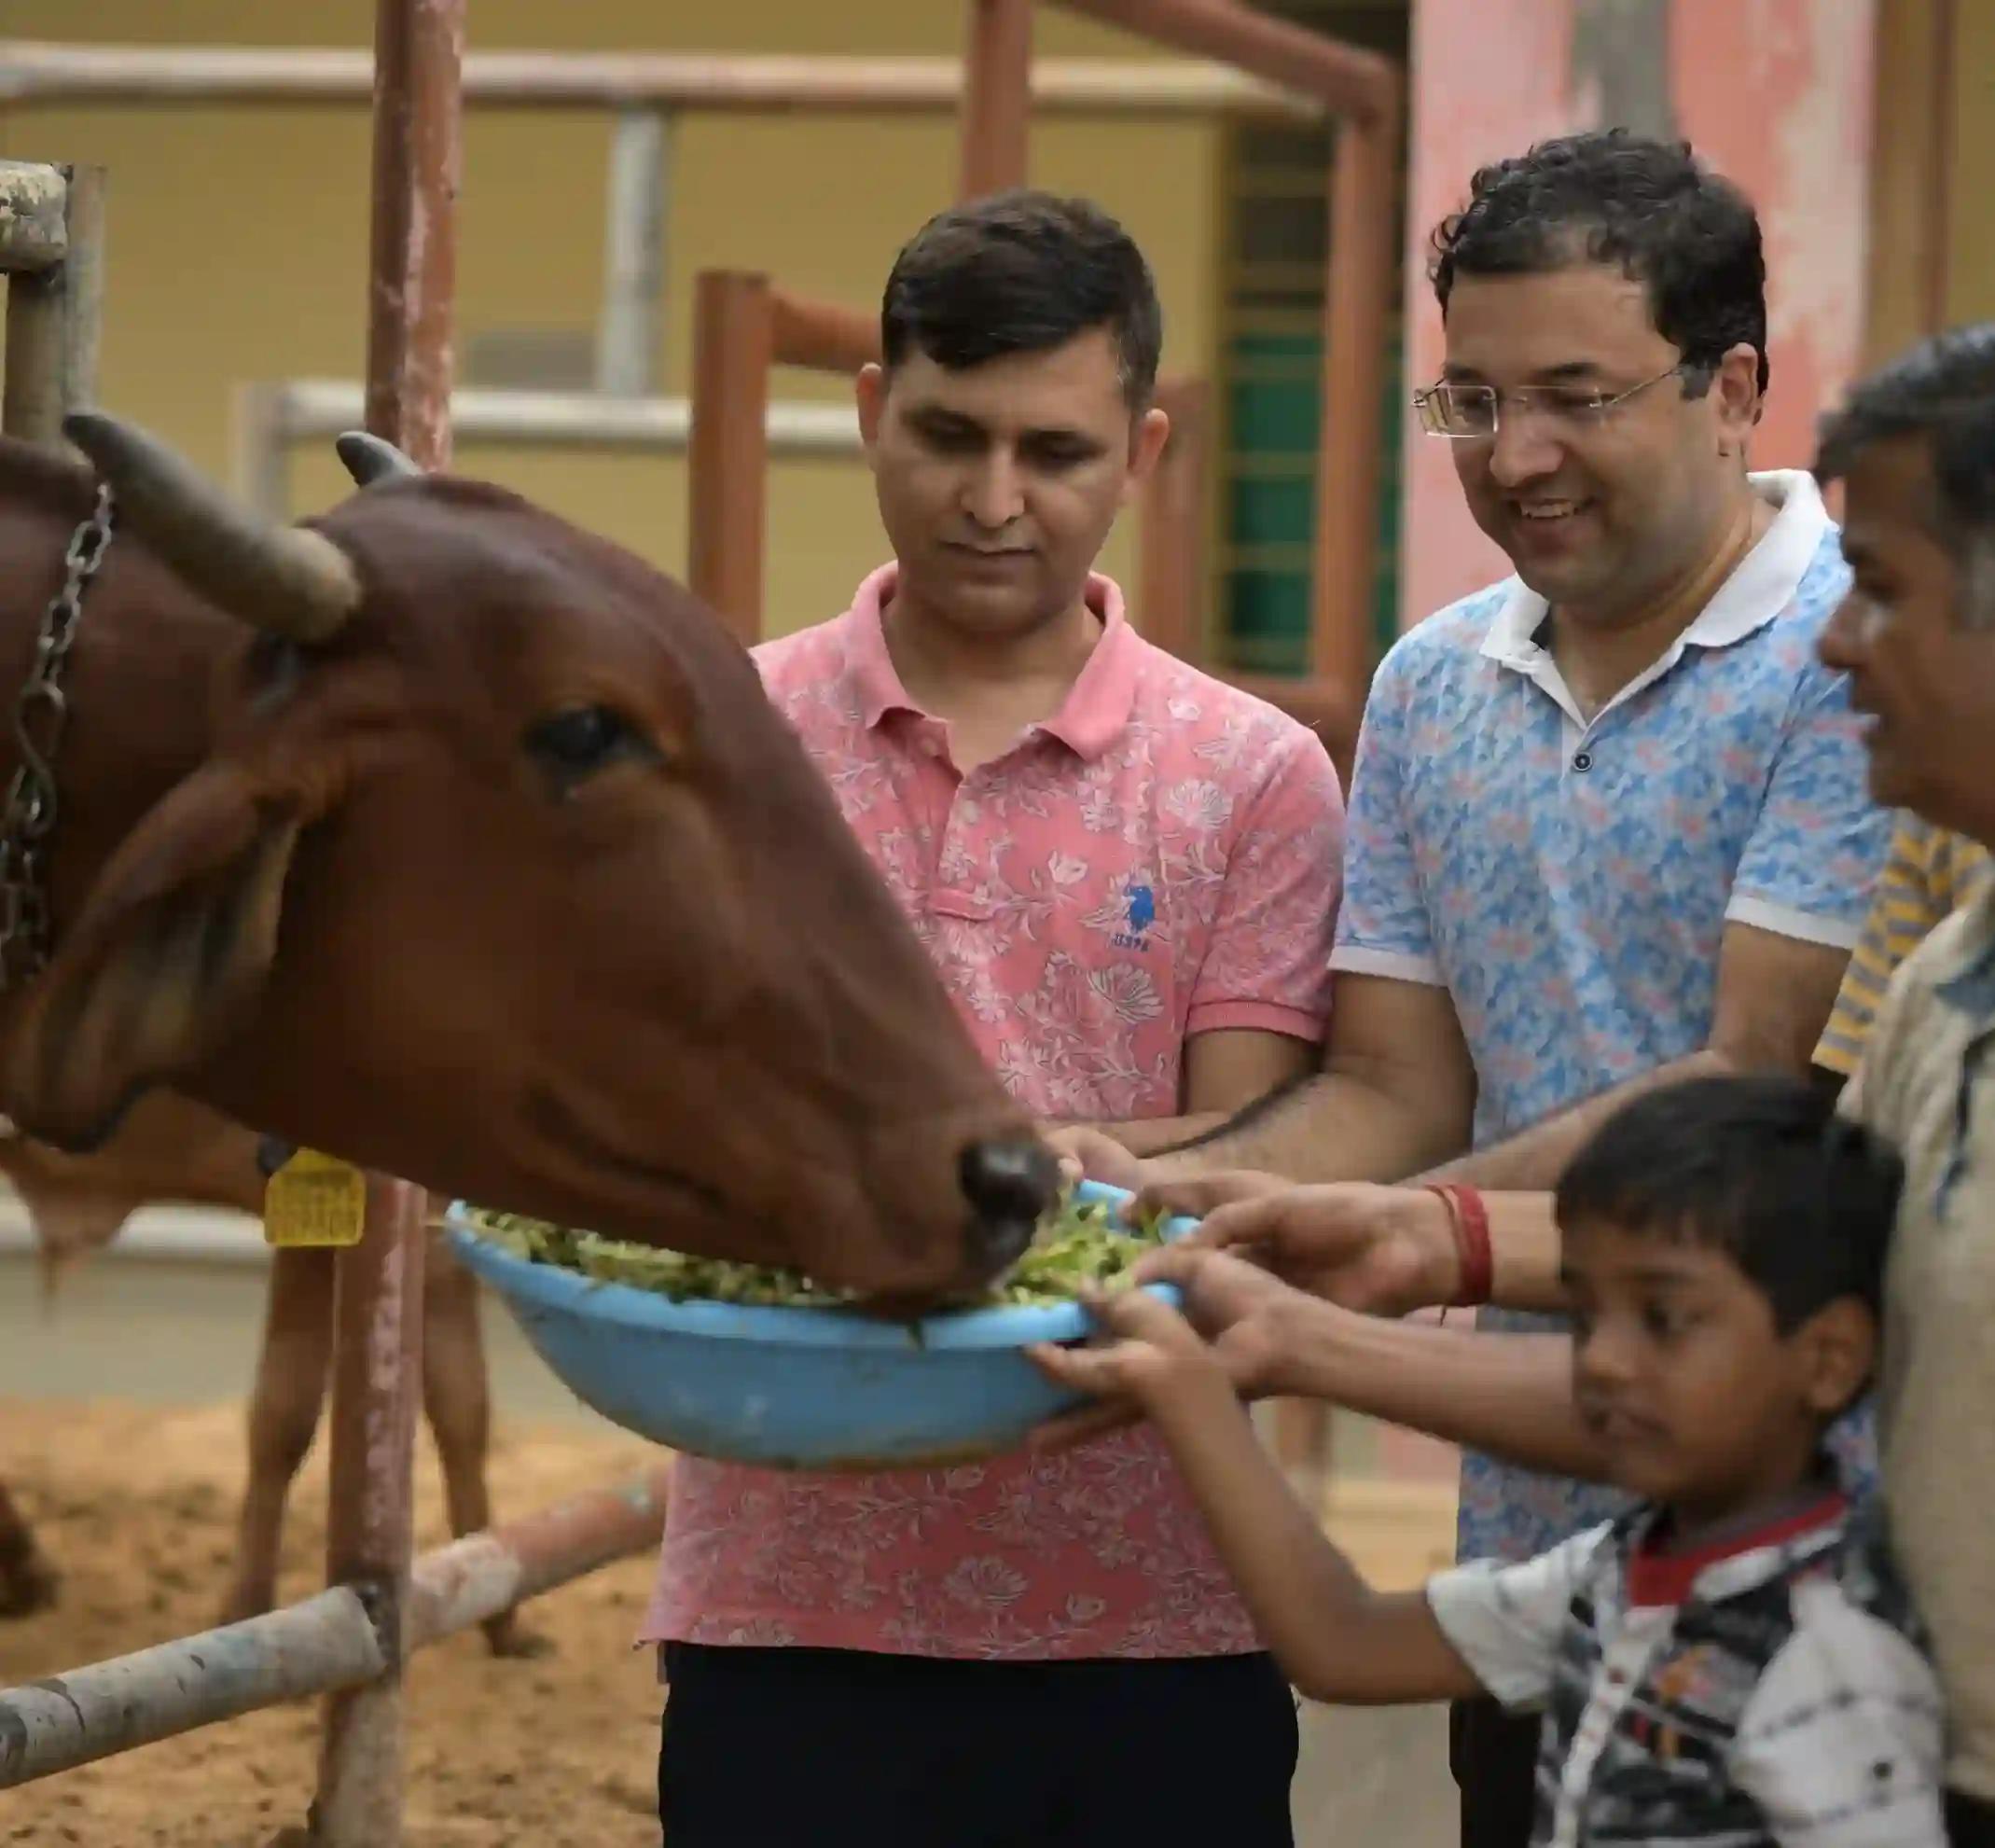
(1734, 1660)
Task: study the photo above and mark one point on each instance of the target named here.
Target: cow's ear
(175, 942)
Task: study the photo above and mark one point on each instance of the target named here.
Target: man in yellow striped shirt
(1930, 873)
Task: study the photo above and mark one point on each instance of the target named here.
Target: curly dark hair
(1689, 237)
(1944, 390)
(1023, 272)
(1759, 1166)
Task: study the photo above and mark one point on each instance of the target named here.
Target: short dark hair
(1022, 272)
(1944, 390)
(1762, 1168)
(1689, 237)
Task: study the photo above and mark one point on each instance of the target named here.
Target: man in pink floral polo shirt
(1127, 874)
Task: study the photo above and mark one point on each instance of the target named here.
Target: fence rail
(32, 72)
(325, 1644)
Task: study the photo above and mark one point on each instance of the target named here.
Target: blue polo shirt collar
(1762, 585)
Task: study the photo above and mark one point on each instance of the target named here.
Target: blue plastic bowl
(790, 1388)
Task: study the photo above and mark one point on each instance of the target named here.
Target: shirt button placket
(953, 839)
(939, 786)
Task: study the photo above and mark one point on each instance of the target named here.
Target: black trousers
(795, 1747)
(1495, 1757)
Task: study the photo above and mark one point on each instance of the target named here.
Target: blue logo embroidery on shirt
(1142, 914)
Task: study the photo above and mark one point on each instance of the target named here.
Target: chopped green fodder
(1075, 1245)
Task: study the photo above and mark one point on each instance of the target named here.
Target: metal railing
(647, 92)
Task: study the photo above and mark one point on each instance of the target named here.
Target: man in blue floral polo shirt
(1608, 820)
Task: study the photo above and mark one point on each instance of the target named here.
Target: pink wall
(1774, 93)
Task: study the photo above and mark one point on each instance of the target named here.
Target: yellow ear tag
(314, 1200)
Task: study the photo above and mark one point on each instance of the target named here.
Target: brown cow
(448, 838)
(486, 863)
(168, 1148)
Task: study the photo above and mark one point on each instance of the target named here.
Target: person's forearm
(1524, 1252)
(1535, 1158)
(1334, 1637)
(1334, 1127)
(1146, 1135)
(1508, 1396)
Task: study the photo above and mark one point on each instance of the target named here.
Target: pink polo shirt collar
(1095, 711)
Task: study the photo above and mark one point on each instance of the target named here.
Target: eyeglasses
(1474, 413)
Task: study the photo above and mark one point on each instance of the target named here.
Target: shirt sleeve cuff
(1785, 921)
(1398, 965)
(1254, 1017)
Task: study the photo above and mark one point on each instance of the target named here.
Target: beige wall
(280, 197)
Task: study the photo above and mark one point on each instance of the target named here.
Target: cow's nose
(1010, 1184)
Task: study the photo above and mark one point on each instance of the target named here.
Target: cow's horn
(286, 579)
(369, 458)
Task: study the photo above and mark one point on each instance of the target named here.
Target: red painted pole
(419, 48)
(1357, 307)
(1171, 542)
(370, 1528)
(997, 96)
(820, 335)
(1351, 81)
(734, 320)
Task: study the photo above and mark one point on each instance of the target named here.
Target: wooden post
(997, 95)
(378, 1311)
(733, 347)
(55, 317)
(1350, 81)
(1912, 175)
(1356, 300)
(820, 335)
(1170, 585)
(419, 48)
(377, 1380)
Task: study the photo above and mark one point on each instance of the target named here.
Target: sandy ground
(136, 1505)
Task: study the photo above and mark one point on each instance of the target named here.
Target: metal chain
(40, 715)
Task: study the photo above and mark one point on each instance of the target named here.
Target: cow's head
(501, 874)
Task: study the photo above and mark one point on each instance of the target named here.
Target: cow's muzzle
(1009, 1184)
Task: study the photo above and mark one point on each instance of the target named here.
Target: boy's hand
(1143, 1350)
(1383, 1250)
(1240, 1311)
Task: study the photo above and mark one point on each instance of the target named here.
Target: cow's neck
(139, 678)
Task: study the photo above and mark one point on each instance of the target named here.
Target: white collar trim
(1761, 585)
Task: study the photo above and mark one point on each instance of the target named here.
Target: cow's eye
(575, 743)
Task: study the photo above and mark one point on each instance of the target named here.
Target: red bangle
(1470, 1216)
